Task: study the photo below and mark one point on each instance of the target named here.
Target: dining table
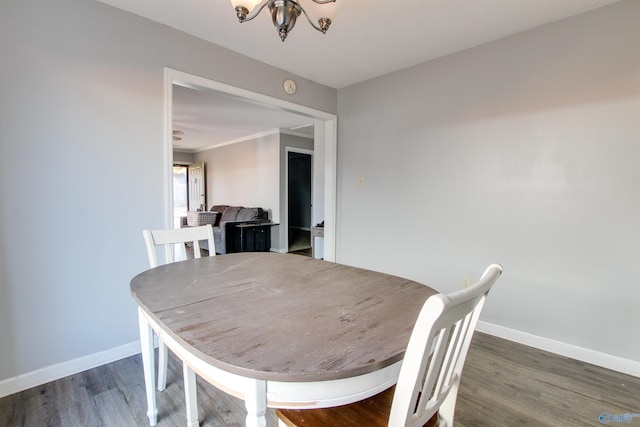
(277, 330)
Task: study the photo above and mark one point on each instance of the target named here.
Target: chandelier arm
(323, 31)
(256, 10)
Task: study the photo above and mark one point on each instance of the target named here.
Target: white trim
(71, 367)
(328, 131)
(168, 149)
(258, 135)
(237, 140)
(298, 134)
(64, 369)
(609, 361)
(328, 121)
(196, 82)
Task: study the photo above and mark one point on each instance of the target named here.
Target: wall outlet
(360, 181)
(465, 283)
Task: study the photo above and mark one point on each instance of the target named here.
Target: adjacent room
(368, 159)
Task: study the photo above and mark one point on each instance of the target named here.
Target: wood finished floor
(503, 384)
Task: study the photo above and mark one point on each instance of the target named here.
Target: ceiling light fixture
(177, 135)
(283, 12)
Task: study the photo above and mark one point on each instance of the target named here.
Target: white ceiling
(208, 119)
(368, 38)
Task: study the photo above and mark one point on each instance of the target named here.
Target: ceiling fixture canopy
(283, 12)
(177, 135)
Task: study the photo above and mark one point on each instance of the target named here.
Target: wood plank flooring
(503, 384)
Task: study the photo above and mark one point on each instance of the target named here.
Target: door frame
(286, 189)
(325, 137)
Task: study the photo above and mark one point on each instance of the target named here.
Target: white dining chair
(173, 241)
(427, 386)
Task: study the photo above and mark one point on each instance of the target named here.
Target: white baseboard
(61, 370)
(615, 363)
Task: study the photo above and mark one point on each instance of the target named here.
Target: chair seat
(371, 412)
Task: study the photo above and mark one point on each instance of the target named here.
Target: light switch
(360, 181)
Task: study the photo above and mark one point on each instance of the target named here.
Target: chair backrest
(173, 241)
(433, 362)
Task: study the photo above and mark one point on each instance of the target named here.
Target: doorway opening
(324, 181)
(180, 194)
(299, 200)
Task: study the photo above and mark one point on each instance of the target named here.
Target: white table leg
(255, 400)
(162, 366)
(190, 396)
(148, 364)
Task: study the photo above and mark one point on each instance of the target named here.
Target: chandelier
(283, 12)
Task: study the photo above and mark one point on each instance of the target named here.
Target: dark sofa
(223, 222)
(228, 216)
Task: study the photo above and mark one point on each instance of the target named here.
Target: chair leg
(448, 408)
(146, 344)
(162, 366)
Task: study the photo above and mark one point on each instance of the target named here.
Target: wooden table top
(282, 317)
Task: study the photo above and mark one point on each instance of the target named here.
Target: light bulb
(247, 4)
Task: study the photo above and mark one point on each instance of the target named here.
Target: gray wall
(523, 151)
(81, 84)
(179, 156)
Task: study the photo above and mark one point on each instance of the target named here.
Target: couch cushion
(230, 214)
(220, 209)
(249, 214)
